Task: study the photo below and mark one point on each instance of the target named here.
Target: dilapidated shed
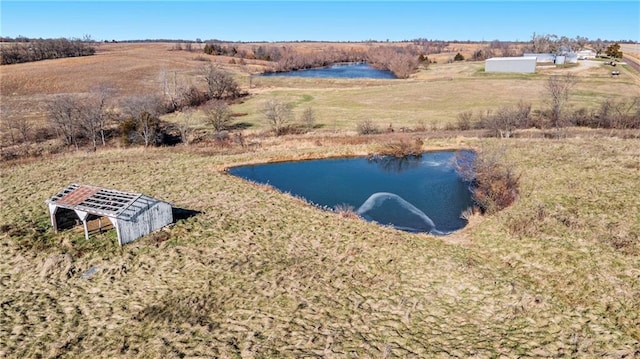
(132, 215)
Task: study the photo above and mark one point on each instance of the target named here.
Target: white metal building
(132, 215)
(510, 64)
(586, 54)
(541, 57)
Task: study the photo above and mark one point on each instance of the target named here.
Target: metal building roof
(102, 201)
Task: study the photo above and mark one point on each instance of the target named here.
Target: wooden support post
(52, 214)
(83, 217)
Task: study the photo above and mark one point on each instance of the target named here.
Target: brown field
(261, 274)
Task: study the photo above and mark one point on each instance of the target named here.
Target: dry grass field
(258, 273)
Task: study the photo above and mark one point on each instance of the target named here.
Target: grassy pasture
(431, 98)
(258, 273)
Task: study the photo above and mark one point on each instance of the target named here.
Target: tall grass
(260, 273)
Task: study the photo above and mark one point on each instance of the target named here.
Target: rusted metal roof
(101, 201)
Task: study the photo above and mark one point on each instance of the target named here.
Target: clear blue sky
(328, 20)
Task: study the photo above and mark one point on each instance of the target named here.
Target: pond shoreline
(356, 70)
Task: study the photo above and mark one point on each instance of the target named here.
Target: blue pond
(415, 194)
(351, 70)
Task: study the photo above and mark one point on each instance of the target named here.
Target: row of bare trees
(43, 49)
(497, 48)
(401, 60)
(539, 44)
(75, 117)
(551, 43)
(93, 117)
(291, 59)
(612, 113)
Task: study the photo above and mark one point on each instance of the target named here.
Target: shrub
(202, 58)
(218, 115)
(192, 96)
(464, 120)
(308, 118)
(506, 120)
(401, 148)
(220, 83)
(127, 129)
(279, 115)
(495, 185)
(367, 127)
(345, 210)
(458, 57)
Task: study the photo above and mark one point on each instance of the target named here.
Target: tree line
(503, 122)
(99, 115)
(402, 60)
(44, 49)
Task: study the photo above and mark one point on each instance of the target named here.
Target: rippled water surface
(416, 194)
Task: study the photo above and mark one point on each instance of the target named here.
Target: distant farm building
(558, 59)
(570, 58)
(586, 54)
(132, 215)
(511, 64)
(542, 57)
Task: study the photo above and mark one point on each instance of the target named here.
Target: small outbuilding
(132, 215)
(510, 64)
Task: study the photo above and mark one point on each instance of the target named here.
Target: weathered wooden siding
(155, 217)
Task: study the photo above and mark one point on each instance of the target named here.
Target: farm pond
(346, 70)
(421, 194)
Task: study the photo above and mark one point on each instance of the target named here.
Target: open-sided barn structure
(132, 215)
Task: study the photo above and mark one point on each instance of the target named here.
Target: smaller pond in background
(349, 70)
(416, 194)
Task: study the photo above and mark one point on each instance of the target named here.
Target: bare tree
(5, 126)
(184, 124)
(543, 43)
(64, 114)
(278, 114)
(503, 47)
(220, 83)
(94, 114)
(403, 65)
(599, 46)
(581, 42)
(218, 115)
(507, 119)
(145, 111)
(308, 118)
(12, 126)
(170, 88)
(24, 128)
(558, 90)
